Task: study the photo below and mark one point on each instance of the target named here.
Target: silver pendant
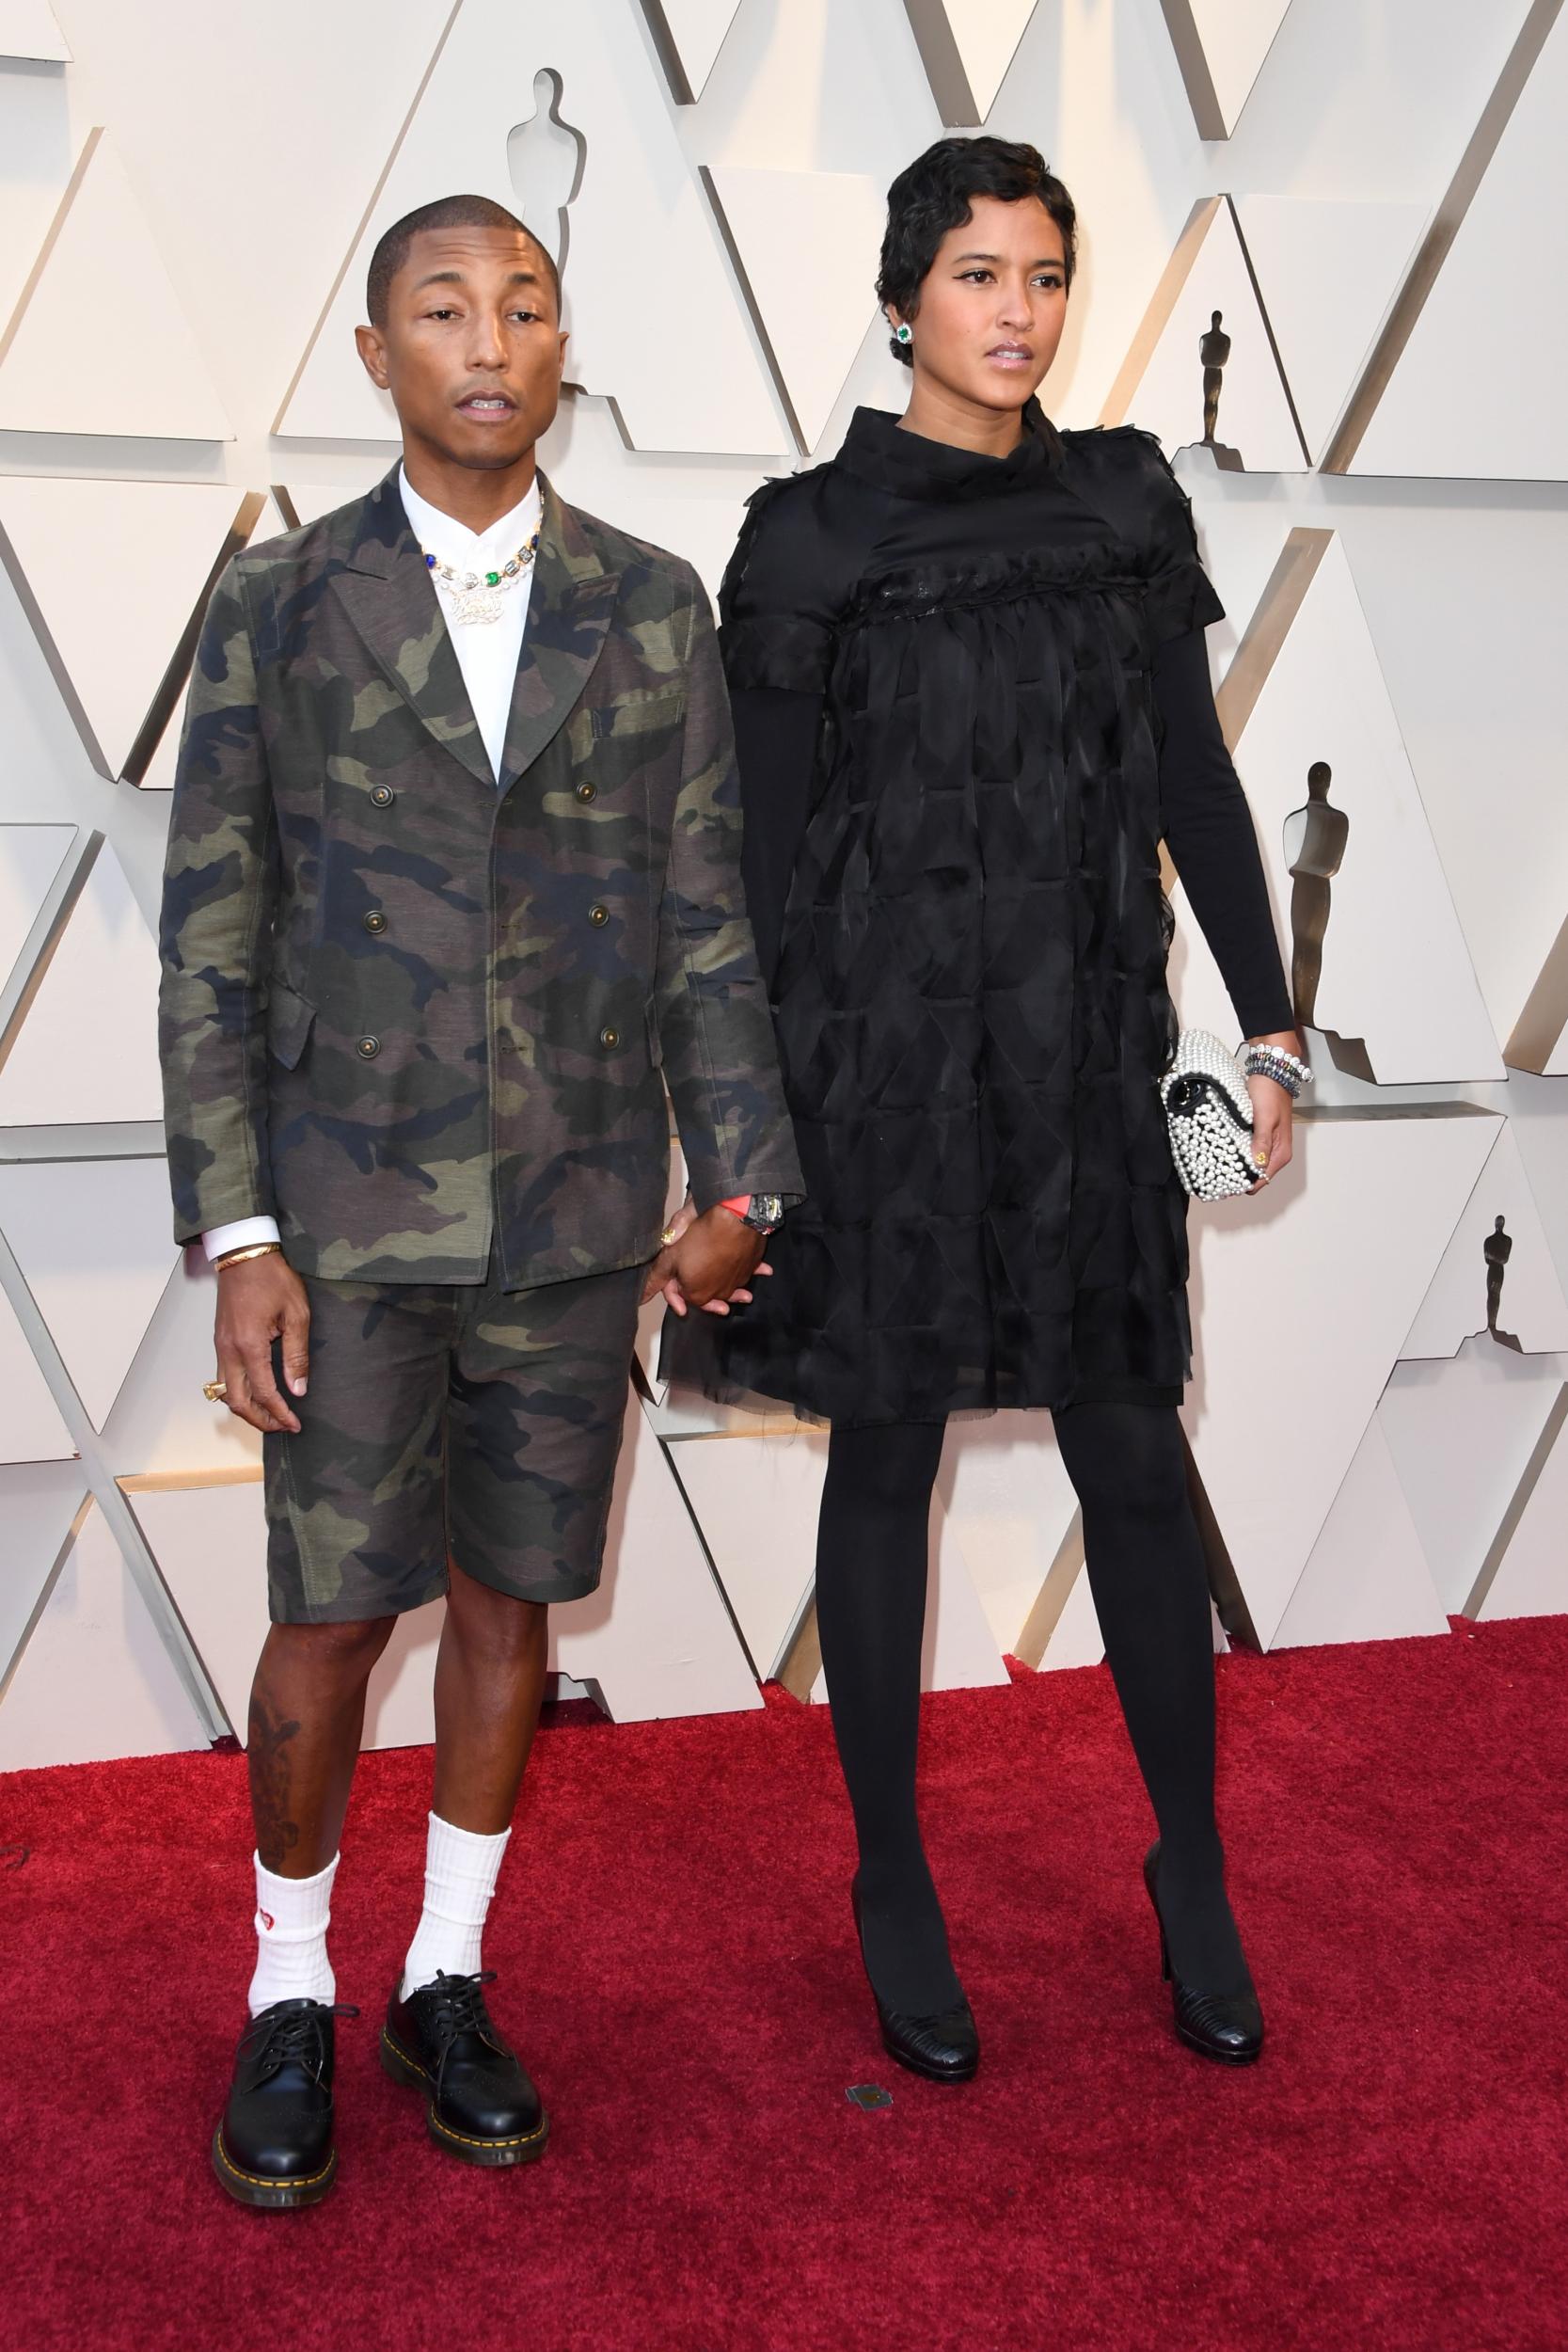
(472, 605)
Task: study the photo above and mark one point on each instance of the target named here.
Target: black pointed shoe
(273, 2146)
(1224, 2026)
(479, 2105)
(945, 2047)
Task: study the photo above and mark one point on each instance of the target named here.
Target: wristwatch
(762, 1210)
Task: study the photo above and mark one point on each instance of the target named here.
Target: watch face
(766, 1210)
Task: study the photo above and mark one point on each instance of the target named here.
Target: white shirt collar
(454, 542)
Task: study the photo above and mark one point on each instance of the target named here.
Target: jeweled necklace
(476, 597)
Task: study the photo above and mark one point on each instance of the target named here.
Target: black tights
(1146, 1572)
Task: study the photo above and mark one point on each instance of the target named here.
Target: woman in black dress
(971, 696)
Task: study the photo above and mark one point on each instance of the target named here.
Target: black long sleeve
(776, 730)
(1209, 831)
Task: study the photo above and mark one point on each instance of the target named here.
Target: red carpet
(673, 1942)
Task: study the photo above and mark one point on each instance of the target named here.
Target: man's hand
(709, 1262)
(259, 1300)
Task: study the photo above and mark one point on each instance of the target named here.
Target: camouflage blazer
(407, 1010)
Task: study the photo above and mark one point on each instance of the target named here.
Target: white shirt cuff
(240, 1235)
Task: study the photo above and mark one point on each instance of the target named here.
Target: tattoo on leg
(268, 1749)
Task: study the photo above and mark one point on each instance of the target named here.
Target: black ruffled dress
(944, 670)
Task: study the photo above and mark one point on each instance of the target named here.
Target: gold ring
(667, 1239)
(215, 1392)
(1261, 1158)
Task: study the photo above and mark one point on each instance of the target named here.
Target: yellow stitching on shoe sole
(266, 2180)
(525, 2139)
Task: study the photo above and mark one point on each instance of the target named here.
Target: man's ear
(373, 352)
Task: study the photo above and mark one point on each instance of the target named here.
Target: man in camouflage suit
(447, 906)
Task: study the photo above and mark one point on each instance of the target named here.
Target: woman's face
(992, 304)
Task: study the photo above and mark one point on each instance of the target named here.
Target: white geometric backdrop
(1372, 195)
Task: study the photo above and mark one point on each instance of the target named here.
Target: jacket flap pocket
(289, 1019)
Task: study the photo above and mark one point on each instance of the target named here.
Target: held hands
(1271, 1109)
(259, 1300)
(707, 1263)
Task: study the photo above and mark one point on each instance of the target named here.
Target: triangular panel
(690, 34)
(31, 1429)
(38, 1505)
(829, 225)
(1530, 1311)
(160, 1422)
(1010, 1503)
(1326, 317)
(30, 858)
(1477, 389)
(1366, 1577)
(28, 29)
(634, 171)
(1462, 1434)
(1322, 1273)
(121, 660)
(655, 1637)
(966, 47)
(100, 262)
(1530, 1579)
(158, 775)
(94, 1244)
(1373, 942)
(755, 1500)
(94, 1680)
(88, 1048)
(1221, 45)
(1202, 367)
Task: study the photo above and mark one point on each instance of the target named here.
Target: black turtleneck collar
(877, 449)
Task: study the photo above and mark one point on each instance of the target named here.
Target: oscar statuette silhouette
(1498, 1248)
(1214, 350)
(1323, 834)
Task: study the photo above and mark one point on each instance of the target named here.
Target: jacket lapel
(387, 588)
(570, 603)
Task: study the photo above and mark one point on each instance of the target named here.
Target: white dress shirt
(487, 652)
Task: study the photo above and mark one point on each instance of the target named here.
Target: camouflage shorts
(445, 1420)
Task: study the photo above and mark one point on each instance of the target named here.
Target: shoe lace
(294, 2035)
(460, 2004)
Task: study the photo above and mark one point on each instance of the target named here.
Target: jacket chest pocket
(617, 747)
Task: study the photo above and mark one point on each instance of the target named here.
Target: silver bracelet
(1272, 1061)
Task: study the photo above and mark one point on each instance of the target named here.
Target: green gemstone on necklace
(492, 579)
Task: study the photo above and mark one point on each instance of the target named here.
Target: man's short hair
(448, 212)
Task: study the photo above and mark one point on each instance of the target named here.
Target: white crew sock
(292, 1919)
(460, 1872)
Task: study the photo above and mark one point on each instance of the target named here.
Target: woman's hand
(1271, 1109)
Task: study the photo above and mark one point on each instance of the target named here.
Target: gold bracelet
(238, 1257)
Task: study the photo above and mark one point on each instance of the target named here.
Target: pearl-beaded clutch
(1209, 1114)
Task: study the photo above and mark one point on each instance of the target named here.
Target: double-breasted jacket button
(588, 790)
(610, 1038)
(382, 795)
(374, 920)
(368, 1048)
(598, 915)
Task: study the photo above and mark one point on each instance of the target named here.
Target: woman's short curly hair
(936, 192)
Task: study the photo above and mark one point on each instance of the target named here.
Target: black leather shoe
(945, 2047)
(479, 2103)
(1224, 2026)
(273, 2146)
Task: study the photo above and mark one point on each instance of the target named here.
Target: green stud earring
(903, 334)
